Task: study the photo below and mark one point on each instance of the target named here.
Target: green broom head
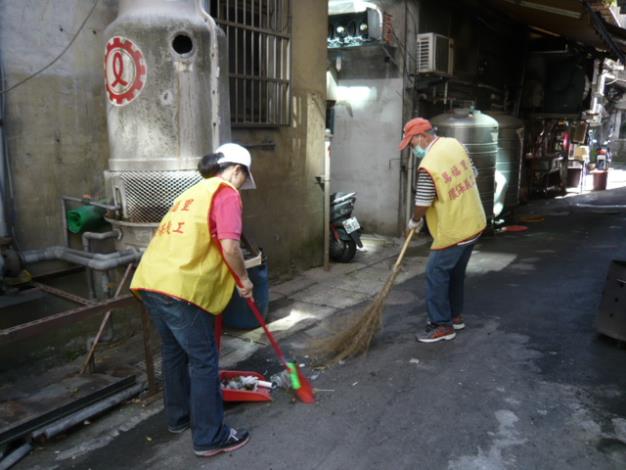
(293, 375)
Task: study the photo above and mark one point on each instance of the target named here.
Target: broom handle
(404, 248)
(279, 352)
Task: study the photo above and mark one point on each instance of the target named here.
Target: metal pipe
(89, 202)
(15, 456)
(25, 330)
(66, 238)
(104, 265)
(328, 140)
(86, 237)
(147, 350)
(3, 177)
(56, 252)
(90, 356)
(72, 420)
(6, 182)
(97, 261)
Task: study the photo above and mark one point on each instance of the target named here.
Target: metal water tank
(166, 83)
(508, 162)
(479, 134)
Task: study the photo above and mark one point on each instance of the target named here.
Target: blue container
(237, 313)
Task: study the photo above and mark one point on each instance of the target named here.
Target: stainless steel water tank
(508, 162)
(166, 83)
(479, 134)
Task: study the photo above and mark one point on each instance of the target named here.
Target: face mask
(419, 152)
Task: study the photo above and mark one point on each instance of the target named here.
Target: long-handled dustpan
(299, 382)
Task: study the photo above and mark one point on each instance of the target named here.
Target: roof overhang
(587, 22)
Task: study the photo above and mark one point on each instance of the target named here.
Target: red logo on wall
(124, 71)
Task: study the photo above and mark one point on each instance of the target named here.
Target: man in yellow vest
(448, 196)
(185, 278)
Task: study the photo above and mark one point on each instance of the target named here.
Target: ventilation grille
(434, 54)
(424, 53)
(147, 196)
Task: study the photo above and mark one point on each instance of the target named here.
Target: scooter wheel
(342, 251)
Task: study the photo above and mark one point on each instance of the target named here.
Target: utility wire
(21, 82)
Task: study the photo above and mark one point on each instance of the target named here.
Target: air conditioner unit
(435, 54)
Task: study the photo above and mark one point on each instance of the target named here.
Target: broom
(355, 339)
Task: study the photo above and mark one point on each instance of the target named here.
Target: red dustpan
(237, 395)
(299, 382)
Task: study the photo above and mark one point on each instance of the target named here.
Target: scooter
(345, 231)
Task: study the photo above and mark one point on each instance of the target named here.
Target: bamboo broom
(355, 339)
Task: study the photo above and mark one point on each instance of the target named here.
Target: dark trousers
(190, 367)
(445, 277)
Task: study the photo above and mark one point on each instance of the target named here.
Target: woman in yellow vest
(447, 194)
(185, 278)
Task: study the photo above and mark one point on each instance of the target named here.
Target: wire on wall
(21, 82)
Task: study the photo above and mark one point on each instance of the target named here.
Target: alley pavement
(528, 384)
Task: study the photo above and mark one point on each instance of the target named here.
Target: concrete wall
(285, 213)
(56, 122)
(364, 150)
(370, 111)
(57, 135)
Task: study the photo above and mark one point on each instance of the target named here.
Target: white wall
(364, 150)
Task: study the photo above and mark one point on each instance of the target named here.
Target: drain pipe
(6, 189)
(64, 424)
(86, 238)
(96, 261)
(599, 93)
(328, 139)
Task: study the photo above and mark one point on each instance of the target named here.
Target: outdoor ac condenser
(434, 54)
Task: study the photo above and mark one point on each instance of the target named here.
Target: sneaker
(235, 440)
(457, 322)
(179, 429)
(434, 333)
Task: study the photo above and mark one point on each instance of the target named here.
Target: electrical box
(359, 28)
(435, 54)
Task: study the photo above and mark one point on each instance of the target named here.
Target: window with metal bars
(259, 43)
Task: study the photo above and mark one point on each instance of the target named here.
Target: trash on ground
(414, 361)
(245, 383)
(281, 380)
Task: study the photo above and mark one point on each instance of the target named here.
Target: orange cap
(414, 127)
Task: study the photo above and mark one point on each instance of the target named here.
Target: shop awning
(589, 22)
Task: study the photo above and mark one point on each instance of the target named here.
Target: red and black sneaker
(434, 333)
(458, 323)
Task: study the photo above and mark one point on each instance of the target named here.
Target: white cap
(234, 153)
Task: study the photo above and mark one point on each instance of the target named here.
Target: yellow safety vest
(182, 260)
(457, 213)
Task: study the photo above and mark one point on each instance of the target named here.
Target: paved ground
(528, 384)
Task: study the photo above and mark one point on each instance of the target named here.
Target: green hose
(85, 218)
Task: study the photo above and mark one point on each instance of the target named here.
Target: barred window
(259, 42)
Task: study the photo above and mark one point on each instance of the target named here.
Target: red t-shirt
(225, 216)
